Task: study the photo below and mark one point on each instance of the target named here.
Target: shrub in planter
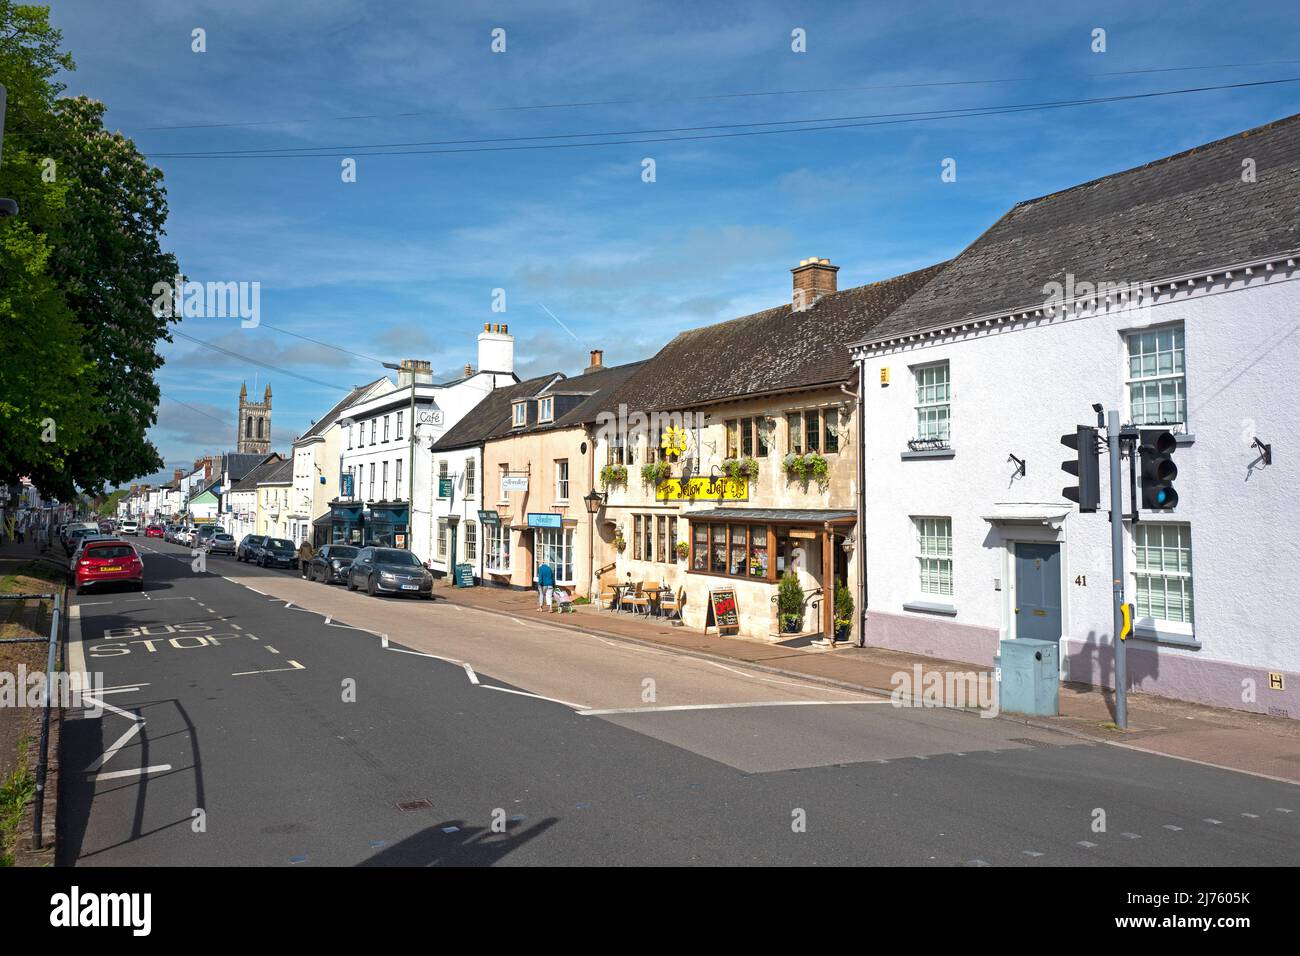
(794, 466)
(805, 468)
(655, 473)
(843, 611)
(683, 550)
(789, 602)
(620, 542)
(613, 475)
(740, 469)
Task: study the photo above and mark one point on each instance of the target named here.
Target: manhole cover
(415, 805)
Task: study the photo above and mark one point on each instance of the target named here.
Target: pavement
(254, 718)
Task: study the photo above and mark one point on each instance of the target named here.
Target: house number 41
(1081, 580)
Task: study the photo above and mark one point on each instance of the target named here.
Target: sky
(403, 262)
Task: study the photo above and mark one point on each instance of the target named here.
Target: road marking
(274, 670)
(1033, 853)
(270, 648)
(117, 690)
(756, 703)
(256, 591)
(1212, 821)
(116, 774)
(1170, 826)
(469, 671)
(117, 745)
(1251, 816)
(773, 680)
(509, 690)
(1203, 763)
(1086, 845)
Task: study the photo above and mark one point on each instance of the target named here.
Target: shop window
(672, 540)
(555, 547)
(498, 549)
(661, 526)
(700, 547)
(739, 551)
(718, 549)
(758, 551)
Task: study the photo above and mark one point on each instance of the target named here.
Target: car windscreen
(223, 537)
(394, 556)
(342, 551)
(279, 544)
(109, 551)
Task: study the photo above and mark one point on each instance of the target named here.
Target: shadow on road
(465, 846)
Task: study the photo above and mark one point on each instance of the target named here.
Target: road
(253, 718)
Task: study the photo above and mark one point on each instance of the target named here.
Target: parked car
(72, 541)
(205, 534)
(105, 561)
(131, 526)
(389, 571)
(274, 552)
(153, 531)
(331, 564)
(221, 543)
(245, 550)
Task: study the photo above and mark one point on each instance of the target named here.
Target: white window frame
(386, 417)
(1176, 569)
(471, 541)
(545, 409)
(498, 547)
(559, 554)
(933, 415)
(397, 494)
(384, 484)
(561, 483)
(442, 539)
(934, 551)
(443, 472)
(519, 414)
(471, 477)
(1175, 375)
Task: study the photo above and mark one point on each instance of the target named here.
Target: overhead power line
(259, 362)
(745, 94)
(697, 133)
(336, 348)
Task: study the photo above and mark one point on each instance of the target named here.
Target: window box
(922, 453)
(805, 468)
(655, 473)
(612, 475)
(740, 469)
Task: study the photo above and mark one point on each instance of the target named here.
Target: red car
(107, 561)
(153, 531)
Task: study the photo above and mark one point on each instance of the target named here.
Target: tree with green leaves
(77, 270)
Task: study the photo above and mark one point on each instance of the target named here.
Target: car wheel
(370, 585)
(427, 597)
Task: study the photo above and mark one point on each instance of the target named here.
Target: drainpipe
(860, 545)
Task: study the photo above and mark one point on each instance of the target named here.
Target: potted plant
(809, 467)
(683, 550)
(613, 475)
(843, 611)
(740, 469)
(620, 542)
(655, 473)
(789, 603)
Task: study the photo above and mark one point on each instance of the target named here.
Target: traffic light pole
(1117, 567)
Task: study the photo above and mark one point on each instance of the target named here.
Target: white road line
(270, 648)
(256, 591)
(116, 774)
(773, 680)
(554, 700)
(117, 745)
(469, 671)
(274, 670)
(756, 703)
(1203, 763)
(116, 690)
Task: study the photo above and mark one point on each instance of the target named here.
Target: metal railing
(42, 760)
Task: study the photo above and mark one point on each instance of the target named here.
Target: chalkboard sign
(464, 575)
(723, 602)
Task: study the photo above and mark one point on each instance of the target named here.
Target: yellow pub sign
(703, 489)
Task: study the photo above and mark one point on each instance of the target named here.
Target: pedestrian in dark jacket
(305, 553)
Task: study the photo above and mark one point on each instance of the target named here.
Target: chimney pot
(469, 370)
(597, 361)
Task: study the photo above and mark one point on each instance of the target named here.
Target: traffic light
(1086, 467)
(1158, 470)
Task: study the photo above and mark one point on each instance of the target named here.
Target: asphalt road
(253, 718)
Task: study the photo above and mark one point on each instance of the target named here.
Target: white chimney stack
(496, 349)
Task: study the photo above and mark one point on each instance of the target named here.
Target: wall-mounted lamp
(594, 500)
(1020, 465)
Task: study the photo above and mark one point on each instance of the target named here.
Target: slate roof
(239, 464)
(281, 474)
(333, 414)
(1186, 213)
(250, 480)
(490, 415)
(776, 350)
(596, 386)
(775, 515)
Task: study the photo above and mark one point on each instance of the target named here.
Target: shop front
(389, 524)
(347, 523)
(747, 550)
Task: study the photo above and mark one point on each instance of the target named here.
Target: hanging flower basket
(740, 469)
(613, 475)
(655, 473)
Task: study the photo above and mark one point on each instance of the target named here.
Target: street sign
(511, 483)
(489, 518)
(444, 487)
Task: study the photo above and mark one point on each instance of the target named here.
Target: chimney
(597, 361)
(496, 349)
(813, 278)
(415, 370)
(469, 370)
(177, 475)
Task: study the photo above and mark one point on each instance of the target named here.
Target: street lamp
(594, 501)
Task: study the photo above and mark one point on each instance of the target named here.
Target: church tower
(254, 432)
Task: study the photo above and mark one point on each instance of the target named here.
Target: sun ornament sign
(673, 441)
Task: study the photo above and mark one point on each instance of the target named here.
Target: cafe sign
(703, 489)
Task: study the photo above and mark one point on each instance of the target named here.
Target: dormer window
(545, 409)
(520, 414)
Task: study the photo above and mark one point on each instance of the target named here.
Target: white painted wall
(1016, 390)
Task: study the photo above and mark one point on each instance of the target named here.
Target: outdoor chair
(671, 604)
(639, 600)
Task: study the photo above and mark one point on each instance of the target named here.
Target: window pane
(732, 435)
(758, 551)
(747, 437)
(718, 548)
(700, 556)
(739, 550)
(812, 427)
(661, 527)
(636, 537)
(831, 422)
(764, 427)
(794, 432)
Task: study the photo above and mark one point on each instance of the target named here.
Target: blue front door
(1038, 591)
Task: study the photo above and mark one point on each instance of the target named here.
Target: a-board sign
(464, 575)
(723, 602)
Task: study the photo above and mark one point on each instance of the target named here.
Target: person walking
(305, 553)
(545, 585)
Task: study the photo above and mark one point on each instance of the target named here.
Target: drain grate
(415, 805)
(1029, 742)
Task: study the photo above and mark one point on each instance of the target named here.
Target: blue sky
(402, 263)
